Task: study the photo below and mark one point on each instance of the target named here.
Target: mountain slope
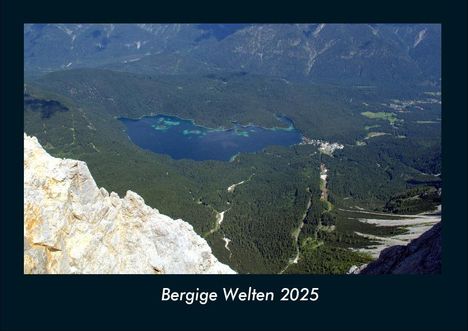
(380, 54)
(71, 226)
(422, 256)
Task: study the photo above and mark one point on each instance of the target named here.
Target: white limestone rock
(72, 227)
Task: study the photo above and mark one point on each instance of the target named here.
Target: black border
(133, 302)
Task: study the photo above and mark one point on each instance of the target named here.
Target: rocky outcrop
(72, 226)
(421, 256)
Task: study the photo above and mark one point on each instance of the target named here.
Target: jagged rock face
(72, 226)
(421, 256)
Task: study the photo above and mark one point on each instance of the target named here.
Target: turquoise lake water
(183, 139)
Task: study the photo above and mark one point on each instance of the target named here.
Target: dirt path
(227, 241)
(231, 188)
(219, 220)
(324, 182)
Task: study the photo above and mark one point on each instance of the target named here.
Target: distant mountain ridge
(325, 53)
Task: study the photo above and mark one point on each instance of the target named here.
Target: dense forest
(75, 114)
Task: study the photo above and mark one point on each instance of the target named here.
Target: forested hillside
(345, 54)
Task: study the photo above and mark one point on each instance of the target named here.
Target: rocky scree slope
(72, 226)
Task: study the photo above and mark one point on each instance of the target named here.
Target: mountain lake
(183, 139)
